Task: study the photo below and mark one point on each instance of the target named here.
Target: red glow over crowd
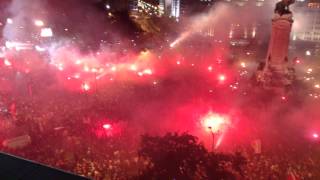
(116, 107)
(72, 94)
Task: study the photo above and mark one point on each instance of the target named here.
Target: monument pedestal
(277, 72)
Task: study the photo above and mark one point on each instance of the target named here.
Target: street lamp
(212, 134)
(215, 123)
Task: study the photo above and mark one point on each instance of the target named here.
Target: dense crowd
(115, 158)
(282, 165)
(64, 131)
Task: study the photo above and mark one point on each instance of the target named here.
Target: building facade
(308, 22)
(150, 7)
(175, 9)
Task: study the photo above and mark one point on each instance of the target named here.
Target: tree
(175, 156)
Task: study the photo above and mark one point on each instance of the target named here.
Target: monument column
(277, 71)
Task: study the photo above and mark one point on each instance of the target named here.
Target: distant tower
(175, 9)
(277, 71)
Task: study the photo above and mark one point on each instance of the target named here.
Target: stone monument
(277, 72)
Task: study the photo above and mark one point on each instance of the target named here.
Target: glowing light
(182, 37)
(294, 37)
(7, 62)
(298, 61)
(46, 32)
(178, 62)
(173, 44)
(243, 64)
(86, 68)
(145, 55)
(9, 21)
(39, 23)
(308, 53)
(78, 62)
(222, 78)
(147, 71)
(114, 69)
(85, 87)
(284, 98)
(140, 74)
(61, 68)
(18, 45)
(254, 32)
(231, 34)
(133, 67)
(40, 49)
(215, 123)
(317, 86)
(77, 76)
(210, 68)
(315, 135)
(219, 141)
(94, 70)
(107, 126)
(9, 44)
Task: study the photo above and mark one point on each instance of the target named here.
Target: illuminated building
(162, 4)
(258, 3)
(160, 7)
(314, 4)
(308, 22)
(151, 7)
(175, 9)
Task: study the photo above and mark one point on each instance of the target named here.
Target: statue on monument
(276, 71)
(282, 7)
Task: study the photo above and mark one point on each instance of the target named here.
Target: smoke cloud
(23, 13)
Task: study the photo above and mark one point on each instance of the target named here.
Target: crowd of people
(282, 165)
(65, 130)
(78, 150)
